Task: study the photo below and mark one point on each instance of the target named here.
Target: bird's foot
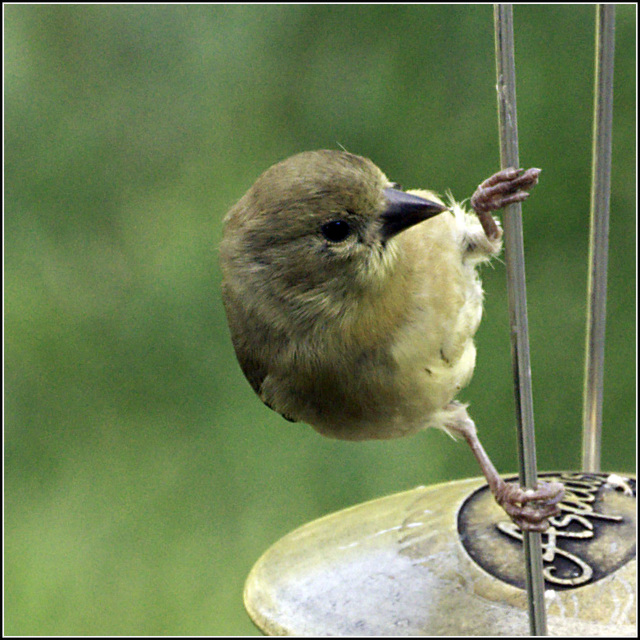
(530, 509)
(501, 189)
(504, 188)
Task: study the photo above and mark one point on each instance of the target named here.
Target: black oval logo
(594, 535)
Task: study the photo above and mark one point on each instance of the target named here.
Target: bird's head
(318, 229)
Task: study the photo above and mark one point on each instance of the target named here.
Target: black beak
(405, 210)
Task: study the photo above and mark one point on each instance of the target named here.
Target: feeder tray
(444, 560)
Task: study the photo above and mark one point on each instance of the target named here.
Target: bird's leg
(498, 191)
(528, 508)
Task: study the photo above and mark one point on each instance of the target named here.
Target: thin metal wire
(516, 287)
(598, 238)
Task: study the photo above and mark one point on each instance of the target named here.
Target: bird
(352, 303)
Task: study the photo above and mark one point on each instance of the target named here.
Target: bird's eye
(396, 185)
(336, 230)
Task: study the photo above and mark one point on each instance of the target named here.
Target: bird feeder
(445, 560)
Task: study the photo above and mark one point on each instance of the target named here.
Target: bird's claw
(501, 189)
(530, 509)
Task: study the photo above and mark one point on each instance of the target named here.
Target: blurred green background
(143, 478)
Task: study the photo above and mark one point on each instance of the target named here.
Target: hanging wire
(598, 238)
(516, 287)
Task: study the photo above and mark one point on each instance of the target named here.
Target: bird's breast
(398, 357)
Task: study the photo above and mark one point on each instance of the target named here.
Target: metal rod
(598, 238)
(516, 287)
